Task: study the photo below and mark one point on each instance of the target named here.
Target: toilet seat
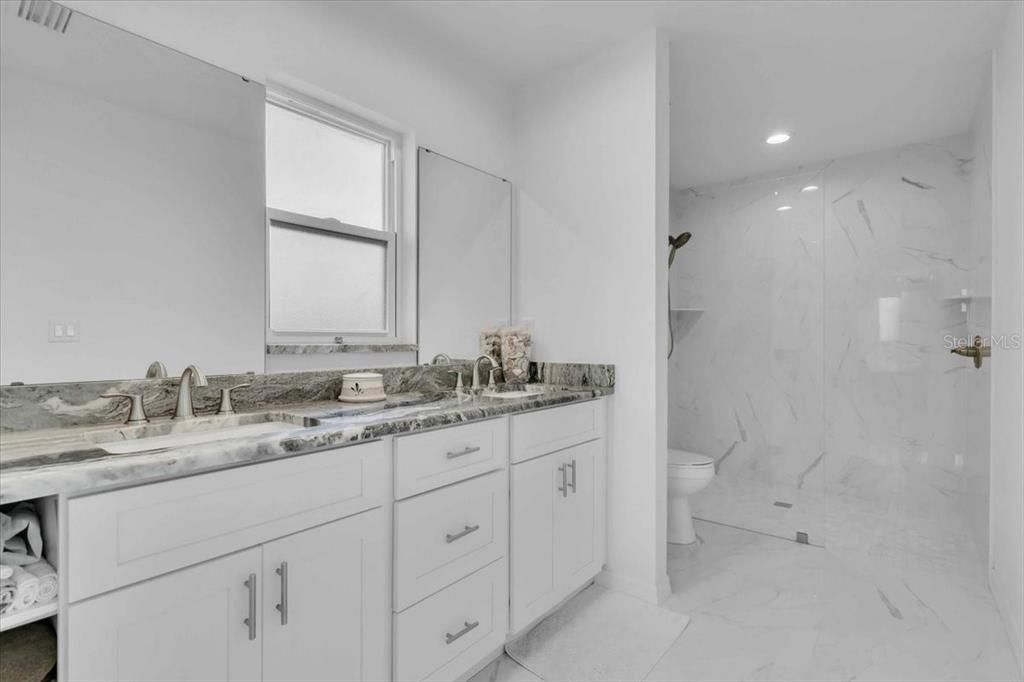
(688, 460)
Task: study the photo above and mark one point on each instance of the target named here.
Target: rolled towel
(21, 535)
(5, 572)
(26, 588)
(7, 593)
(47, 580)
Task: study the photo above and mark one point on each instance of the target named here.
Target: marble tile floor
(763, 608)
(899, 531)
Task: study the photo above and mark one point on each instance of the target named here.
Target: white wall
(1007, 493)
(591, 167)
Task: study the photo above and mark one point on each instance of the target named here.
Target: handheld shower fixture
(674, 244)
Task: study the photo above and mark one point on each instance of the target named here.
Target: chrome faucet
(476, 371)
(189, 378)
(441, 357)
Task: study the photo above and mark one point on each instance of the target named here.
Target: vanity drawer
(444, 635)
(446, 534)
(125, 536)
(425, 461)
(538, 433)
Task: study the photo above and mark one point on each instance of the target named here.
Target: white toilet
(688, 473)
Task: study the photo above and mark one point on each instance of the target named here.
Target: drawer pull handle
(449, 538)
(449, 637)
(564, 488)
(251, 620)
(462, 453)
(572, 481)
(283, 606)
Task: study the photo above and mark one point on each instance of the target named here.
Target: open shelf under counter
(29, 615)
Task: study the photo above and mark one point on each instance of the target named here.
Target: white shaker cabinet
(186, 626)
(309, 606)
(276, 571)
(324, 602)
(557, 528)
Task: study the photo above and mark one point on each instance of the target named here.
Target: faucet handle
(137, 413)
(156, 370)
(458, 378)
(225, 399)
(490, 379)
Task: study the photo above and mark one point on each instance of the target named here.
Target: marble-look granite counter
(72, 461)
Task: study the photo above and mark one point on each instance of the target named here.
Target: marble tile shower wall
(819, 366)
(745, 379)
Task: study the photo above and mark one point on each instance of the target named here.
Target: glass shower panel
(746, 377)
(906, 273)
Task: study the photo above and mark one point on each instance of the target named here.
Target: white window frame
(388, 236)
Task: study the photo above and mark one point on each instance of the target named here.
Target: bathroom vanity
(407, 543)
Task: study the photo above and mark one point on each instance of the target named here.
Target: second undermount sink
(168, 434)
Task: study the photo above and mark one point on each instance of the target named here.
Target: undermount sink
(168, 434)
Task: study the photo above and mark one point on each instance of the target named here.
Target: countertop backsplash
(45, 406)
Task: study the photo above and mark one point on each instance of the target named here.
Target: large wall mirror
(132, 214)
(465, 245)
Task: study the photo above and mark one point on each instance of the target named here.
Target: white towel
(26, 589)
(21, 536)
(47, 580)
(5, 572)
(7, 592)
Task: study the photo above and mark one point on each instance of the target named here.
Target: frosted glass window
(324, 171)
(326, 281)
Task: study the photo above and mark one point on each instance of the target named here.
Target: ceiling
(843, 77)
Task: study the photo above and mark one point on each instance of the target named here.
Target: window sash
(286, 218)
(388, 235)
(357, 126)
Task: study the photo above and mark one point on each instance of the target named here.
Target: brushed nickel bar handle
(449, 538)
(251, 620)
(564, 488)
(449, 637)
(283, 606)
(572, 483)
(468, 451)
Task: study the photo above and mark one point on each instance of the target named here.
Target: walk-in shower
(813, 353)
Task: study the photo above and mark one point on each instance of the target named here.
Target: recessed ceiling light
(778, 138)
(784, 208)
(810, 188)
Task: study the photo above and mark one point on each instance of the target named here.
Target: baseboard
(483, 663)
(652, 592)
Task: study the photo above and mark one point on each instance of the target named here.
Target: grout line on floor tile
(664, 653)
(759, 532)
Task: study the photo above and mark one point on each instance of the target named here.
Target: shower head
(676, 243)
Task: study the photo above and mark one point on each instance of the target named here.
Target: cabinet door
(579, 517)
(187, 625)
(535, 496)
(325, 602)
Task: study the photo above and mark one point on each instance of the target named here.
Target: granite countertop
(72, 461)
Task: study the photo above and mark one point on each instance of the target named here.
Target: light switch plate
(65, 331)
